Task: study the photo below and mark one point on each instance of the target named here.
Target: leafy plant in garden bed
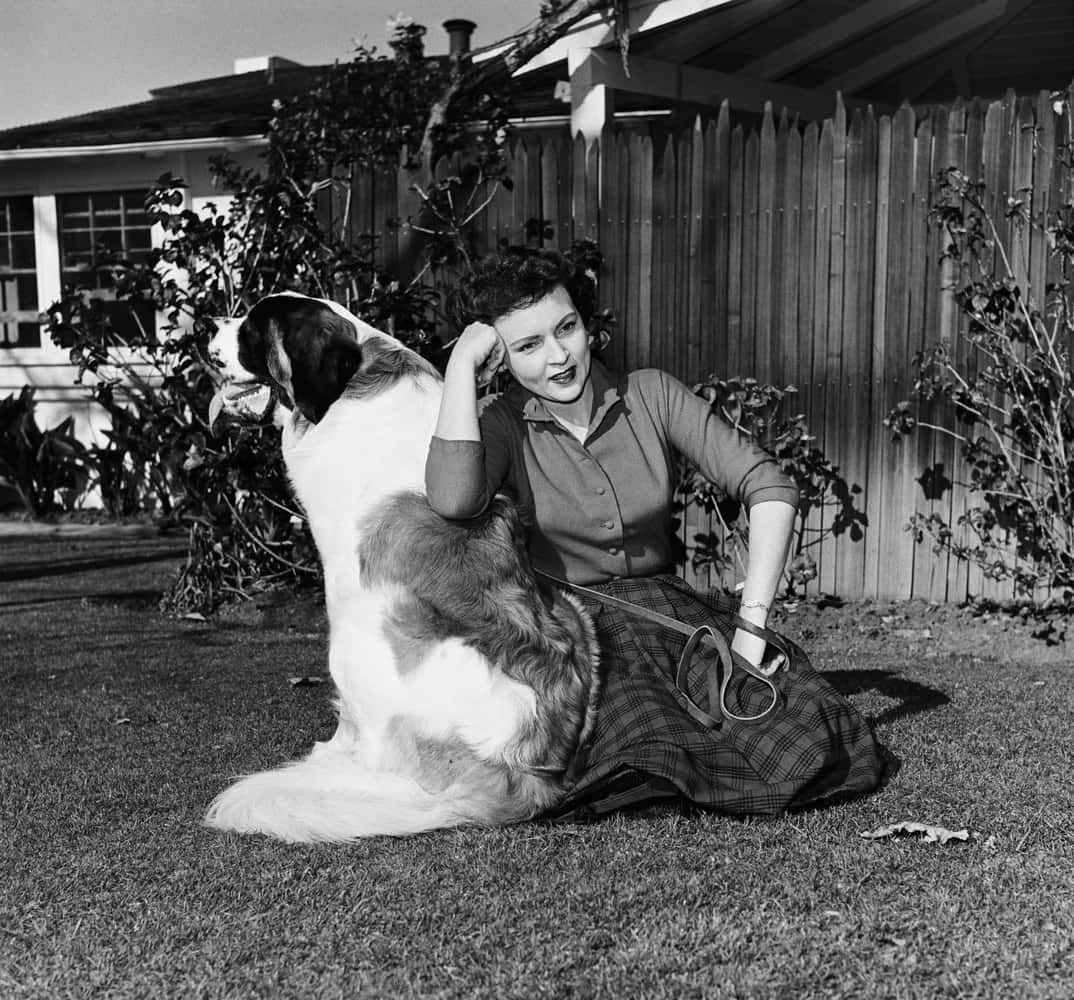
(1011, 397)
(47, 469)
(763, 412)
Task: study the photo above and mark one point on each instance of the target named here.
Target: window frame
(22, 317)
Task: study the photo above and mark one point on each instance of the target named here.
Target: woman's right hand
(481, 350)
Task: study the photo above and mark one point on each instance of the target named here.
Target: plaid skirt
(646, 746)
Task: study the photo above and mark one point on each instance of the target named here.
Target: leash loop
(727, 659)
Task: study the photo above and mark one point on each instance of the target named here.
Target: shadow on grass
(39, 570)
(911, 697)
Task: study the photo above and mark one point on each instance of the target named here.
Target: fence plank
(790, 263)
(896, 558)
(736, 212)
(1043, 170)
(766, 204)
(807, 283)
(852, 413)
(709, 217)
(819, 373)
(692, 364)
(750, 261)
(612, 213)
(880, 458)
(721, 263)
(643, 163)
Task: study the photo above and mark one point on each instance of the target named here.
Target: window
(18, 274)
(102, 235)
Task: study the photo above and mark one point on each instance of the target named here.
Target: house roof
(220, 107)
(882, 52)
(679, 52)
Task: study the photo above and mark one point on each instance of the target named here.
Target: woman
(589, 457)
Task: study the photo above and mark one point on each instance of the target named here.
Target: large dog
(463, 691)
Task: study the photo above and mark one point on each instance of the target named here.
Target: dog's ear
(321, 373)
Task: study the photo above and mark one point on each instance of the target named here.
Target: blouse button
(609, 524)
(613, 551)
(600, 491)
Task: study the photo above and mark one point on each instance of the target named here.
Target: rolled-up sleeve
(462, 477)
(455, 478)
(727, 457)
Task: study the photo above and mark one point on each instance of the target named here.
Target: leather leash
(701, 635)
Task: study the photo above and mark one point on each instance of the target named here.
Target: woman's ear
(599, 338)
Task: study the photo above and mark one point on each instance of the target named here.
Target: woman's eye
(528, 347)
(567, 327)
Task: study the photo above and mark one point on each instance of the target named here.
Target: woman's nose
(558, 354)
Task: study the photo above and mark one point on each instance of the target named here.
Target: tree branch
(466, 76)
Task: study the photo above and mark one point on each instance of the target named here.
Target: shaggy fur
(463, 690)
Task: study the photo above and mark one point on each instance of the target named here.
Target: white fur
(364, 780)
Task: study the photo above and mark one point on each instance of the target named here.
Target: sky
(67, 57)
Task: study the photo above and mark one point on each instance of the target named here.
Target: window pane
(77, 242)
(23, 252)
(26, 286)
(5, 252)
(110, 238)
(105, 202)
(139, 239)
(71, 204)
(22, 213)
(29, 335)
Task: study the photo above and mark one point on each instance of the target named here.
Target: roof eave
(232, 143)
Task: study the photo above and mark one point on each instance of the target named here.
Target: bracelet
(745, 603)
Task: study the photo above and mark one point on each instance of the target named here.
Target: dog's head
(304, 350)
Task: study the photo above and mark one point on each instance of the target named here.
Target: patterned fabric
(646, 746)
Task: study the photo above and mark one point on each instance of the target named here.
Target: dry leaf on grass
(932, 834)
(303, 682)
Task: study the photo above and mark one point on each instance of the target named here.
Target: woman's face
(548, 347)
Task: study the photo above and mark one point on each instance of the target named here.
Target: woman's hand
(480, 350)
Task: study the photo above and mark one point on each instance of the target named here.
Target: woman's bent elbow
(455, 507)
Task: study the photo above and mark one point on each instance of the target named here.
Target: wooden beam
(863, 20)
(916, 80)
(718, 27)
(592, 101)
(673, 82)
(599, 28)
(934, 37)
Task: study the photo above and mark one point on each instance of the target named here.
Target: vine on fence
(827, 501)
(1011, 395)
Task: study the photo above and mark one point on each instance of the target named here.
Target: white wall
(48, 175)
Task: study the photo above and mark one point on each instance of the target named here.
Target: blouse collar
(606, 393)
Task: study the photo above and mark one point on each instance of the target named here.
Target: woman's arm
(771, 526)
(455, 476)
(744, 471)
(478, 351)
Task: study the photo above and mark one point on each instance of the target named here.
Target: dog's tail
(331, 798)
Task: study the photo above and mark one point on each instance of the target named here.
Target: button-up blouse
(600, 508)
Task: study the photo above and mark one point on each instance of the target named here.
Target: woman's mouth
(564, 377)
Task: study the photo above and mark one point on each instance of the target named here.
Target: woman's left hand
(752, 649)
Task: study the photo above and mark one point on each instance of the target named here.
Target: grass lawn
(117, 727)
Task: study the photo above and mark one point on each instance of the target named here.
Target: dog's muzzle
(245, 400)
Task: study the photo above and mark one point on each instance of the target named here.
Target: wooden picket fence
(801, 255)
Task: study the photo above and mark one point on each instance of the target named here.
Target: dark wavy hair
(516, 277)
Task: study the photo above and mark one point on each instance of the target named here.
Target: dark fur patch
(384, 364)
(322, 350)
(320, 346)
(472, 580)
